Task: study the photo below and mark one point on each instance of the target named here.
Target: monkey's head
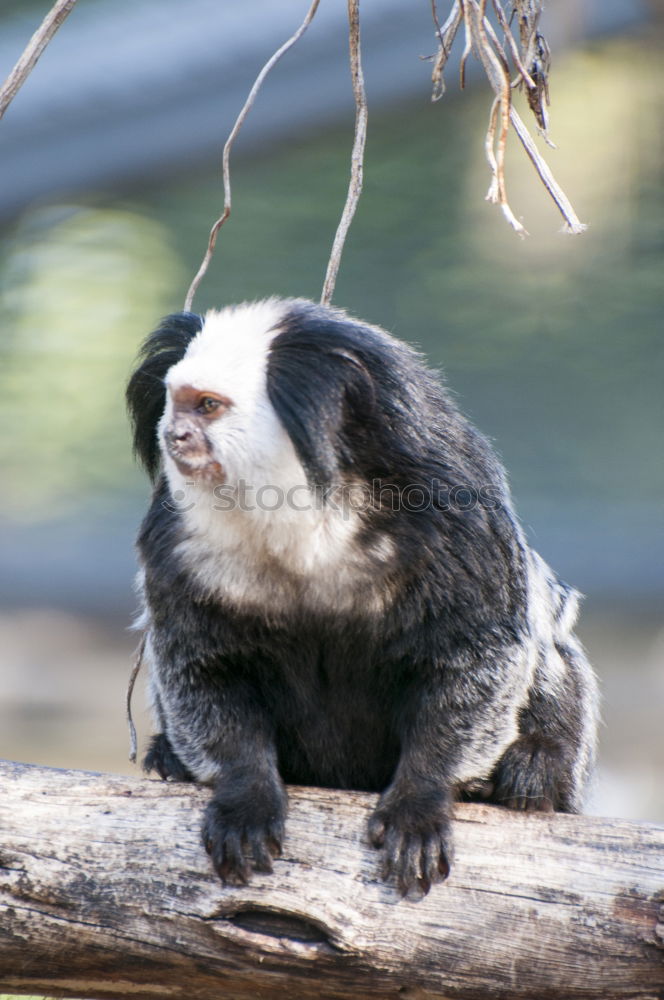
(218, 425)
(279, 392)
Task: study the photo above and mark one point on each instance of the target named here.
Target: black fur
(145, 391)
(447, 689)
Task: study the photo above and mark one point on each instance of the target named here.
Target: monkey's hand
(246, 814)
(535, 775)
(162, 758)
(413, 828)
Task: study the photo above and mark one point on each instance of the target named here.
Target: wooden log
(106, 891)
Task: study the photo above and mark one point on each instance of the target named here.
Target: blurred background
(109, 182)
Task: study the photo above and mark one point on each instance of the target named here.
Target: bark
(106, 891)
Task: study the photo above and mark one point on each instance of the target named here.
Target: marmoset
(336, 591)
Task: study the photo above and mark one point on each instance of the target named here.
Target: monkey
(336, 591)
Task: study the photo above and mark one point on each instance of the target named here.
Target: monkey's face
(218, 426)
(185, 434)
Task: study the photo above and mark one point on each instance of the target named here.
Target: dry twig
(446, 34)
(214, 232)
(572, 223)
(357, 156)
(135, 668)
(536, 57)
(530, 60)
(32, 52)
(529, 57)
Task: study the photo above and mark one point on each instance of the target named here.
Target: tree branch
(572, 223)
(106, 891)
(239, 122)
(357, 155)
(33, 50)
(531, 63)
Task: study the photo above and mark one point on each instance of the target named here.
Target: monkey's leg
(547, 768)
(161, 757)
(412, 825)
(221, 736)
(458, 719)
(246, 815)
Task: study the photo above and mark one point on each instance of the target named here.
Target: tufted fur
(349, 600)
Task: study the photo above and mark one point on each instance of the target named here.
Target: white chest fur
(273, 549)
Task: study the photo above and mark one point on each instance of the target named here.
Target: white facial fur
(229, 357)
(298, 552)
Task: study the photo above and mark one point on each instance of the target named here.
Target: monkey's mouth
(199, 467)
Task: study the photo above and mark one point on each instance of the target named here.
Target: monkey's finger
(408, 870)
(393, 843)
(260, 851)
(517, 802)
(444, 864)
(274, 846)
(539, 804)
(376, 830)
(429, 863)
(274, 836)
(225, 849)
(229, 859)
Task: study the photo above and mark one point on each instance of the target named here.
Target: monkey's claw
(232, 835)
(415, 838)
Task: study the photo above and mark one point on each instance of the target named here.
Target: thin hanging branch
(214, 232)
(357, 156)
(536, 57)
(135, 668)
(572, 224)
(446, 34)
(32, 52)
(529, 57)
(497, 71)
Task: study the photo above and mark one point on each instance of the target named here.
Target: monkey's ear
(146, 392)
(312, 385)
(359, 385)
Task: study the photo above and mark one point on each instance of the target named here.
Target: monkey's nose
(177, 436)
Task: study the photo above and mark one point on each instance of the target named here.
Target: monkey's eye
(208, 405)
